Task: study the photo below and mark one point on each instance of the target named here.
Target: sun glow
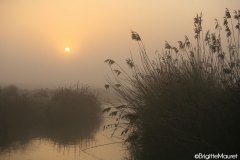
(67, 49)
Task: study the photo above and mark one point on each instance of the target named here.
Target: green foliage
(186, 100)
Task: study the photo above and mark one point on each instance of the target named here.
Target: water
(68, 125)
(100, 147)
(81, 140)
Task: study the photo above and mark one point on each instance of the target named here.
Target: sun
(67, 49)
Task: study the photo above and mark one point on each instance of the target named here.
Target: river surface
(42, 149)
(100, 147)
(97, 146)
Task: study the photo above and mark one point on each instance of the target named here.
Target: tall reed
(184, 101)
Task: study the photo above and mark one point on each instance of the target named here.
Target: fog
(33, 35)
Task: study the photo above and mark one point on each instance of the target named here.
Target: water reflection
(53, 148)
(67, 135)
(53, 125)
(64, 116)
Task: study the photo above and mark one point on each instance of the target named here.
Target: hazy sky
(34, 33)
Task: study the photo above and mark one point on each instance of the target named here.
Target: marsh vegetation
(186, 100)
(64, 116)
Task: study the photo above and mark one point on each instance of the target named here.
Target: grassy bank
(186, 100)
